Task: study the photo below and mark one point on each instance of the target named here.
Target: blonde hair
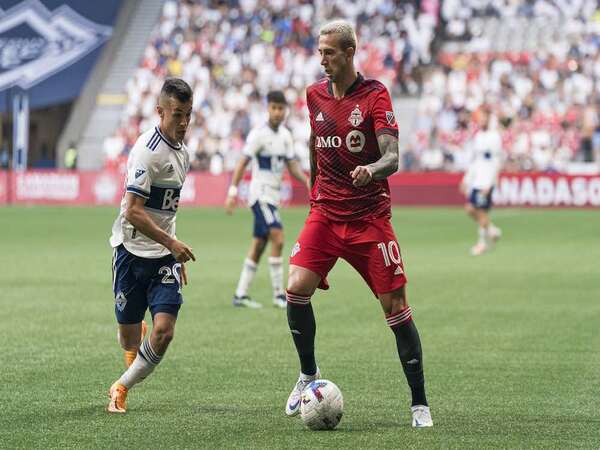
(344, 29)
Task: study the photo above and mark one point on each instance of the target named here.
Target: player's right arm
(137, 216)
(142, 169)
(253, 145)
(232, 193)
(466, 182)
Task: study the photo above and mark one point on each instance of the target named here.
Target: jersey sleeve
(141, 170)
(252, 144)
(384, 119)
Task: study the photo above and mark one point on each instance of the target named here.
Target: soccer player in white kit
(270, 147)
(148, 261)
(479, 181)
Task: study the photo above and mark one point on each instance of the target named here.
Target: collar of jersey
(165, 139)
(351, 89)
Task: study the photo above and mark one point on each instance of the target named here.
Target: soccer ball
(322, 405)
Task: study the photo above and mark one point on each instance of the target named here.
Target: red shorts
(369, 246)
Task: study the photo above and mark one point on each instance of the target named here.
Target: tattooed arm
(383, 167)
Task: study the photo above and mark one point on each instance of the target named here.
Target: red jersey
(345, 132)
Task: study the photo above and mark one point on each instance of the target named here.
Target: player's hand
(229, 204)
(184, 278)
(361, 176)
(181, 252)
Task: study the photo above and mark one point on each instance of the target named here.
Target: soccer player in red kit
(353, 149)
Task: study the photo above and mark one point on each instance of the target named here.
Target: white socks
(142, 366)
(493, 230)
(246, 277)
(249, 270)
(276, 270)
(483, 232)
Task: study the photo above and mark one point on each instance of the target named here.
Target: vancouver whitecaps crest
(36, 43)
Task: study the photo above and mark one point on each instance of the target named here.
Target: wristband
(232, 191)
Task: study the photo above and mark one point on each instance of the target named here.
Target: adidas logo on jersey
(398, 271)
(139, 173)
(320, 117)
(170, 168)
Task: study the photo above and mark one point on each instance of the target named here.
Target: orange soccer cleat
(118, 398)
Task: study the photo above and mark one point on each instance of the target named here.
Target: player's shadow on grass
(221, 409)
(366, 426)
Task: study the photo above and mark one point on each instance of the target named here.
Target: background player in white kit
(270, 147)
(479, 181)
(148, 261)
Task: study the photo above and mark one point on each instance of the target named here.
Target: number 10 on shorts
(391, 253)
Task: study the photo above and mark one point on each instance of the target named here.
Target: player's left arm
(296, 171)
(386, 130)
(383, 167)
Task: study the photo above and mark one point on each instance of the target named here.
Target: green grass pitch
(511, 339)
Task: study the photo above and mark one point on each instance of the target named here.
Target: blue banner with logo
(49, 47)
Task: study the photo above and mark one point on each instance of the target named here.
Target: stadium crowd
(234, 52)
(544, 100)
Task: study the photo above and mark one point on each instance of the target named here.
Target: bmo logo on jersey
(355, 141)
(328, 142)
(170, 200)
(164, 199)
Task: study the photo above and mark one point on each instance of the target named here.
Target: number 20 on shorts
(168, 273)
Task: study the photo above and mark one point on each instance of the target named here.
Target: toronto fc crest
(356, 117)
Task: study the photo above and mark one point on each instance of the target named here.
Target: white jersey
(270, 151)
(156, 171)
(486, 160)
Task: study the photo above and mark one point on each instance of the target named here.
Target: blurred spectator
(4, 157)
(71, 157)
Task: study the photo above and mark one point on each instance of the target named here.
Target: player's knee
(276, 236)
(277, 247)
(299, 285)
(394, 302)
(163, 335)
(129, 344)
(129, 339)
(258, 246)
(261, 244)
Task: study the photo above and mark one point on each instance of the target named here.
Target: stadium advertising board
(45, 42)
(548, 190)
(203, 189)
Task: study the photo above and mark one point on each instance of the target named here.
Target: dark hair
(176, 87)
(276, 97)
